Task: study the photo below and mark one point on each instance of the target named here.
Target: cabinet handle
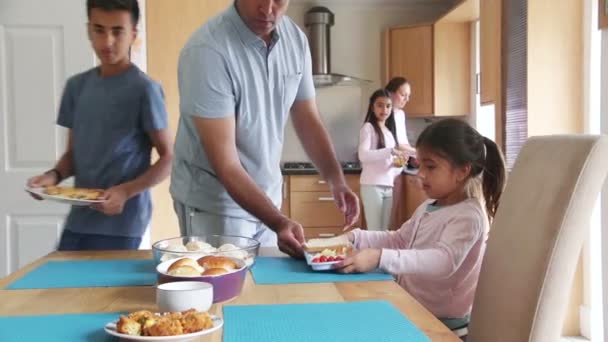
(327, 234)
(321, 182)
(326, 199)
(284, 190)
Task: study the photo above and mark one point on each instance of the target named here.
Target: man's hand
(348, 203)
(115, 199)
(290, 238)
(363, 261)
(40, 181)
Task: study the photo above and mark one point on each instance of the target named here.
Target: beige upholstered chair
(536, 239)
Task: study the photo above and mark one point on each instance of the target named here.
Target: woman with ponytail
(436, 255)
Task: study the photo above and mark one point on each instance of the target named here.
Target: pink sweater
(436, 256)
(376, 163)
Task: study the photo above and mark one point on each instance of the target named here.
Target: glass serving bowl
(196, 247)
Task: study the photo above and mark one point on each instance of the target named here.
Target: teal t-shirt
(110, 118)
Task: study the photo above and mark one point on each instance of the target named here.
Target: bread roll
(185, 271)
(214, 271)
(195, 246)
(211, 261)
(184, 262)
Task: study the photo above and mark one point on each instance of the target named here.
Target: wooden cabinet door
(169, 24)
(410, 55)
(489, 45)
(414, 196)
(315, 209)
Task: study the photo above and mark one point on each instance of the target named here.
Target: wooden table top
(128, 299)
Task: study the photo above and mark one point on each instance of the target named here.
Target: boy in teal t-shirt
(115, 115)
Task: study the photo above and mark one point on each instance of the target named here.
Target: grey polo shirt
(226, 70)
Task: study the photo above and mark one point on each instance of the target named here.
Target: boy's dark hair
(395, 83)
(371, 118)
(459, 143)
(130, 6)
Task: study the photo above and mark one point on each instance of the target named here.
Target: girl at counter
(378, 154)
(436, 255)
(400, 90)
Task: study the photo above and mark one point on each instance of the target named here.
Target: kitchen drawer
(316, 183)
(315, 209)
(324, 232)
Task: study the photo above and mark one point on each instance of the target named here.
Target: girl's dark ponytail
(494, 175)
(462, 145)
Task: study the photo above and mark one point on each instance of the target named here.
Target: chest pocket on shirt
(291, 83)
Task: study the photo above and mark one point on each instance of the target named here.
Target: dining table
(129, 299)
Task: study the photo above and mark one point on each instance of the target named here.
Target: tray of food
(69, 195)
(326, 254)
(168, 326)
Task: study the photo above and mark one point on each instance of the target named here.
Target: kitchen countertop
(299, 172)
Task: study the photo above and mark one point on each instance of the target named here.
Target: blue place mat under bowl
(88, 273)
(57, 328)
(277, 270)
(330, 322)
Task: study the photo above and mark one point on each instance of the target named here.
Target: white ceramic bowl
(184, 295)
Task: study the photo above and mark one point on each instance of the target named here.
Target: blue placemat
(331, 322)
(268, 270)
(89, 273)
(57, 328)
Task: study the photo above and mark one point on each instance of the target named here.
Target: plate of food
(69, 195)
(166, 327)
(326, 254)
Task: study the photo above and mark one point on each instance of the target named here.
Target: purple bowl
(225, 286)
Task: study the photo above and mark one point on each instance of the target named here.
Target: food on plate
(214, 271)
(74, 193)
(185, 262)
(184, 271)
(413, 163)
(328, 255)
(399, 161)
(339, 244)
(145, 323)
(211, 261)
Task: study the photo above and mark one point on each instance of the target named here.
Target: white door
(42, 43)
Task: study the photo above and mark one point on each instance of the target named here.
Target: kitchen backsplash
(342, 108)
(342, 114)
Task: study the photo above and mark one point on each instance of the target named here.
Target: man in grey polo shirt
(240, 76)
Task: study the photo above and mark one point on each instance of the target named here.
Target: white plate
(61, 199)
(320, 266)
(110, 328)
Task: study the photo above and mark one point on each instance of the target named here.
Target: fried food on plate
(74, 193)
(145, 323)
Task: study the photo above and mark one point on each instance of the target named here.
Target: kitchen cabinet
(168, 27)
(312, 205)
(407, 196)
(436, 59)
(489, 46)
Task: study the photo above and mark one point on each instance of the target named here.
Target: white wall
(356, 50)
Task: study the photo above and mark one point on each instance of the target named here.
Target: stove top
(310, 166)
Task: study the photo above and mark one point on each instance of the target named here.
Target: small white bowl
(184, 295)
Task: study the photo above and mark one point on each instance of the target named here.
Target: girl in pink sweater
(436, 255)
(378, 147)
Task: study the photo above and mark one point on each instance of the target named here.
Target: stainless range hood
(319, 20)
